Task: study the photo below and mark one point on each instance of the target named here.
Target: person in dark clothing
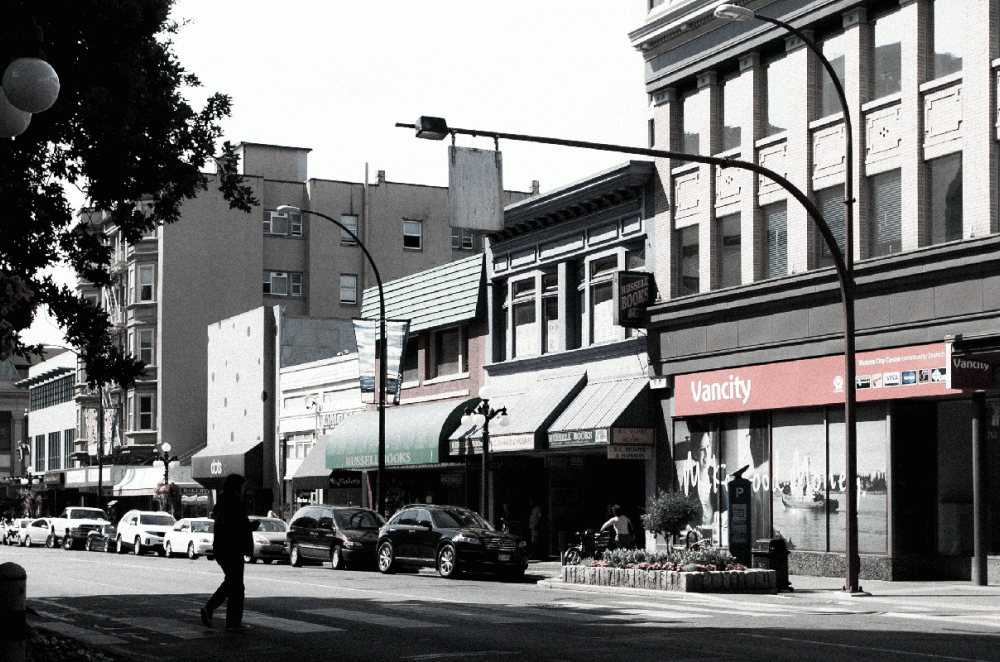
(233, 539)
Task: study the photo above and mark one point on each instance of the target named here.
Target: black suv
(341, 535)
(450, 538)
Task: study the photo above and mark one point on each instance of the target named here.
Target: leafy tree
(120, 131)
(669, 512)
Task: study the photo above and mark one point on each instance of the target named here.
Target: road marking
(443, 656)
(83, 634)
(179, 629)
(285, 624)
(985, 621)
(488, 616)
(370, 619)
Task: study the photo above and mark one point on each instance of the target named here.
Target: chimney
(534, 187)
(381, 177)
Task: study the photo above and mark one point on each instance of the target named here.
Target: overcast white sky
(336, 75)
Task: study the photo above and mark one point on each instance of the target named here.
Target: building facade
(747, 336)
(18, 446)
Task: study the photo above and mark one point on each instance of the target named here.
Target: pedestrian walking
(233, 539)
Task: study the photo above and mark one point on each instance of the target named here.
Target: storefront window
(799, 471)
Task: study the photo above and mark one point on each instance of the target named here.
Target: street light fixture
(382, 357)
(853, 564)
(481, 416)
(845, 275)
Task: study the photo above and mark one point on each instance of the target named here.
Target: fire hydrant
(13, 601)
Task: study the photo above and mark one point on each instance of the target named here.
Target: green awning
(413, 435)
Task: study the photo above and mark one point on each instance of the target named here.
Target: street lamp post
(735, 13)
(436, 128)
(382, 360)
(480, 416)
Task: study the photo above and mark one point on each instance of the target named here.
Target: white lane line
(83, 634)
(285, 624)
(371, 619)
(481, 617)
(988, 621)
(179, 629)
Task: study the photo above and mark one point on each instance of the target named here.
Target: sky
(336, 76)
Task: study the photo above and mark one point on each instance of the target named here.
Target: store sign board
(902, 372)
(969, 372)
(628, 452)
(632, 436)
(633, 292)
(579, 438)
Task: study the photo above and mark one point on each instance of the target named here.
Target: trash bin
(772, 554)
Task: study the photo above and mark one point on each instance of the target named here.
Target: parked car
(342, 535)
(270, 540)
(193, 536)
(452, 539)
(103, 539)
(70, 529)
(143, 530)
(38, 532)
(15, 531)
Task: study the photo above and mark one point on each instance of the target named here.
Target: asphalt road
(146, 608)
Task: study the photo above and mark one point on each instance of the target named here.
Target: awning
(312, 474)
(615, 412)
(142, 481)
(530, 413)
(413, 435)
(212, 464)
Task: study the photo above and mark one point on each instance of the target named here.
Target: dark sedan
(102, 540)
(342, 535)
(450, 538)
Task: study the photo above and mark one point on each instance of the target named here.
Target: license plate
(504, 557)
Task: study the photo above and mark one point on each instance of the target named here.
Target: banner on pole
(366, 332)
(475, 188)
(90, 416)
(110, 430)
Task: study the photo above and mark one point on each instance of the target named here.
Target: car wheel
(67, 542)
(120, 545)
(447, 565)
(191, 552)
(168, 549)
(110, 546)
(137, 547)
(50, 542)
(572, 556)
(295, 557)
(27, 541)
(337, 561)
(89, 545)
(386, 558)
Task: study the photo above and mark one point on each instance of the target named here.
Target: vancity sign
(902, 372)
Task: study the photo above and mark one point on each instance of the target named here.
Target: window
(885, 217)
(465, 239)
(450, 350)
(735, 102)
(6, 430)
(778, 74)
(775, 231)
(51, 393)
(949, 32)
(349, 221)
(550, 312)
(945, 218)
(69, 439)
(687, 245)
(283, 225)
(411, 361)
(730, 252)
(830, 202)
(283, 283)
(526, 331)
(413, 235)
(145, 412)
(145, 342)
(834, 50)
(887, 62)
(602, 309)
(651, 133)
(39, 453)
(145, 290)
(694, 109)
(55, 451)
(349, 289)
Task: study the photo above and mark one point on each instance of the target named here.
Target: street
(146, 608)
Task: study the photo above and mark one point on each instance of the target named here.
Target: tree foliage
(669, 512)
(120, 131)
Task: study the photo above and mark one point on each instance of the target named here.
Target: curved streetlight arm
(383, 352)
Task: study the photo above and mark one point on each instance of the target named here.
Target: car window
(181, 526)
(459, 519)
(88, 513)
(326, 519)
(38, 523)
(272, 526)
(304, 519)
(424, 518)
(358, 519)
(407, 518)
(157, 519)
(202, 527)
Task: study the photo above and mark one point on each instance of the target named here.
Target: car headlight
(351, 544)
(204, 540)
(523, 544)
(259, 539)
(464, 537)
(153, 534)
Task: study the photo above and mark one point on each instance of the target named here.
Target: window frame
(409, 224)
(142, 347)
(293, 282)
(141, 273)
(345, 280)
(350, 221)
(145, 413)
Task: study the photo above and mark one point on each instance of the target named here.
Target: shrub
(669, 512)
(709, 559)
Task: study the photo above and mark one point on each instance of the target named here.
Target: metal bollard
(13, 583)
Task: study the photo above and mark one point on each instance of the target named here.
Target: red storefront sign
(902, 372)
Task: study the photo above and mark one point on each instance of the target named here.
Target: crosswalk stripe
(285, 624)
(371, 619)
(985, 621)
(83, 634)
(179, 629)
(480, 617)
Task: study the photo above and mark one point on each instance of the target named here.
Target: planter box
(729, 581)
